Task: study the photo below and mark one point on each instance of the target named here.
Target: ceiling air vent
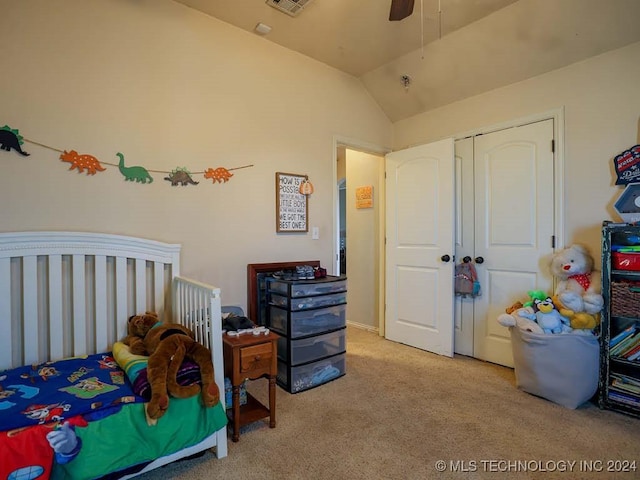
(290, 7)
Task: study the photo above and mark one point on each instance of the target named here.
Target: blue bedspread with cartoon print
(55, 391)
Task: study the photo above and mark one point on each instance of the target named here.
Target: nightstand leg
(236, 413)
(272, 401)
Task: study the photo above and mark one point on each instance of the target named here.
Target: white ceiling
(450, 49)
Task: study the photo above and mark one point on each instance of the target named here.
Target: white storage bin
(562, 368)
(305, 303)
(304, 377)
(306, 350)
(307, 322)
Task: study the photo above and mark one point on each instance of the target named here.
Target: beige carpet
(399, 410)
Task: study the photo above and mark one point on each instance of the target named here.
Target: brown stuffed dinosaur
(167, 344)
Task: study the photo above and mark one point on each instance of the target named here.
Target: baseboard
(362, 326)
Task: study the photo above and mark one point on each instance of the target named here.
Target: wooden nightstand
(251, 356)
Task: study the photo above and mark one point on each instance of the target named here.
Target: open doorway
(360, 234)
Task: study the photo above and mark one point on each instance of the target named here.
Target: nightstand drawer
(256, 357)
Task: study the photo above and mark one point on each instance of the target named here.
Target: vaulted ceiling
(447, 50)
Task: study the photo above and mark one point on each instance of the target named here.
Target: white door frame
(361, 146)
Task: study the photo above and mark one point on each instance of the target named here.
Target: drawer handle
(257, 358)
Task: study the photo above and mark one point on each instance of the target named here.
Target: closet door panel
(514, 225)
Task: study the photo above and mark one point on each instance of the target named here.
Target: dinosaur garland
(11, 139)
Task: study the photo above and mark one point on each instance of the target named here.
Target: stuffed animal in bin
(167, 344)
(538, 315)
(548, 318)
(578, 294)
(517, 315)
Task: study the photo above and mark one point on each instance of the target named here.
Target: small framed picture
(292, 209)
(364, 197)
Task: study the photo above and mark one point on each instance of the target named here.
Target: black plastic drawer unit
(310, 316)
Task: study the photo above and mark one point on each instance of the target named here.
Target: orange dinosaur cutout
(91, 163)
(219, 175)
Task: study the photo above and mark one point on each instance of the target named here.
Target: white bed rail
(198, 307)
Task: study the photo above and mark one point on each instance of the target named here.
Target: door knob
(445, 258)
(479, 260)
(466, 259)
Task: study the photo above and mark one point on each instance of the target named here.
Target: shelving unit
(619, 372)
(309, 315)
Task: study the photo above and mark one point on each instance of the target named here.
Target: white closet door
(514, 224)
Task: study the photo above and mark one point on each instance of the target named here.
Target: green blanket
(122, 440)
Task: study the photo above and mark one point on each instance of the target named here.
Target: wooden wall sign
(292, 209)
(364, 197)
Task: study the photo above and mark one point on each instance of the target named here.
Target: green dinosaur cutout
(137, 173)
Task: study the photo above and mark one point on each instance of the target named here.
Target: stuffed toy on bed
(167, 345)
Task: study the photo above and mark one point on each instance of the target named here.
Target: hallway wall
(363, 243)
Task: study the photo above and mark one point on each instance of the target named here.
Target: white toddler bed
(66, 294)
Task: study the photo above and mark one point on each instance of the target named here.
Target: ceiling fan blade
(400, 9)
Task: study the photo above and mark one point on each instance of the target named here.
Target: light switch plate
(315, 233)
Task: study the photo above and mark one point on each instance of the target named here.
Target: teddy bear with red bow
(578, 293)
